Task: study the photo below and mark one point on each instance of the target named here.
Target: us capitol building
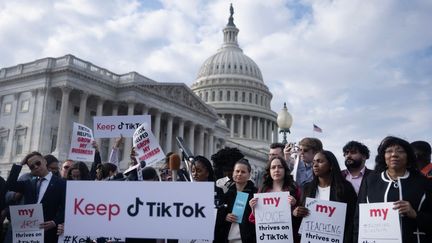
(227, 105)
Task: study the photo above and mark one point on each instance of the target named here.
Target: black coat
(349, 196)
(247, 229)
(415, 188)
(53, 201)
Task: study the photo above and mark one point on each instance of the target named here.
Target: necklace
(395, 183)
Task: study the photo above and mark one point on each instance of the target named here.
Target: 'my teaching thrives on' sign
(150, 209)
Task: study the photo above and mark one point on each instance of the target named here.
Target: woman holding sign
(232, 224)
(277, 178)
(396, 179)
(329, 184)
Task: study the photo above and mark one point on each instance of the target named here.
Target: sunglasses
(32, 166)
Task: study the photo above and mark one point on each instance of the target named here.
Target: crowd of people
(402, 175)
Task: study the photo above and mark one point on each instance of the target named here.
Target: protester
(202, 169)
(227, 229)
(302, 167)
(396, 179)
(52, 164)
(47, 189)
(422, 150)
(329, 184)
(223, 162)
(276, 150)
(355, 154)
(79, 171)
(65, 168)
(277, 178)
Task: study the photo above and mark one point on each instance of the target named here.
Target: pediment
(182, 95)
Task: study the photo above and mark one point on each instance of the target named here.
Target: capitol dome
(232, 83)
(229, 61)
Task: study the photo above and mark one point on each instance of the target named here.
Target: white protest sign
(149, 209)
(25, 220)
(379, 222)
(72, 238)
(114, 126)
(325, 223)
(81, 144)
(146, 145)
(273, 217)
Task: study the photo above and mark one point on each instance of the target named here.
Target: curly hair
(356, 146)
(225, 159)
(83, 169)
(380, 164)
(288, 180)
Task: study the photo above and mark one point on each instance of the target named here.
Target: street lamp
(284, 121)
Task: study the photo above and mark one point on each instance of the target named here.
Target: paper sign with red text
(273, 217)
(25, 221)
(81, 144)
(114, 126)
(379, 222)
(150, 209)
(325, 222)
(147, 146)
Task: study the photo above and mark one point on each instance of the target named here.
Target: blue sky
(359, 69)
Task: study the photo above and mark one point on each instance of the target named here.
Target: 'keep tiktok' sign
(273, 217)
(150, 209)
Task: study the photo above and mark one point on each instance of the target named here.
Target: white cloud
(358, 69)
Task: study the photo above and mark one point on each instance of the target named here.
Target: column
(241, 126)
(99, 111)
(180, 131)
(265, 130)
(211, 143)
(269, 131)
(258, 128)
(114, 113)
(275, 133)
(29, 138)
(250, 127)
(128, 141)
(232, 126)
(11, 141)
(201, 141)
(157, 125)
(83, 107)
(169, 131)
(145, 110)
(191, 137)
(62, 121)
(181, 128)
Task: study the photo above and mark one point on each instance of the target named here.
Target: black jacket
(53, 201)
(415, 188)
(247, 229)
(349, 197)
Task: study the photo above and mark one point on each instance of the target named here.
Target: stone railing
(72, 61)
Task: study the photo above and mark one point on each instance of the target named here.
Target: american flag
(316, 128)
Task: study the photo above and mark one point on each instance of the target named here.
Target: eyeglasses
(396, 151)
(32, 166)
(272, 155)
(302, 150)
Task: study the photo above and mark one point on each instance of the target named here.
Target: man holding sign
(46, 189)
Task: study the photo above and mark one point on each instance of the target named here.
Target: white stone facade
(40, 100)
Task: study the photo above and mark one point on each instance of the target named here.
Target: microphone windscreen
(174, 162)
(143, 164)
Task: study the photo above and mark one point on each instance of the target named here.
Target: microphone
(174, 165)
